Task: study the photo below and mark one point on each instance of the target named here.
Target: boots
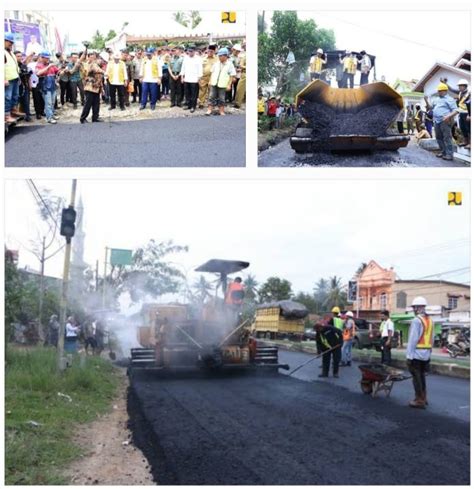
(418, 403)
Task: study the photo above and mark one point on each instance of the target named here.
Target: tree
(307, 300)
(150, 273)
(98, 41)
(189, 19)
(336, 296)
(275, 289)
(203, 289)
(251, 288)
(288, 33)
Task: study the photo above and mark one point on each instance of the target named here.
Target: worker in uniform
(222, 76)
(207, 64)
(316, 64)
(117, 78)
(365, 67)
(464, 109)
(234, 295)
(329, 342)
(419, 116)
(150, 77)
(419, 347)
(242, 84)
(349, 68)
(386, 334)
(235, 58)
(348, 334)
(12, 81)
(260, 105)
(174, 68)
(444, 110)
(336, 320)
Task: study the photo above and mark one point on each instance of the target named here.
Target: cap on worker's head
(347, 51)
(212, 47)
(419, 301)
(117, 55)
(442, 87)
(363, 52)
(150, 50)
(463, 81)
(223, 52)
(191, 47)
(320, 51)
(350, 314)
(45, 54)
(9, 37)
(237, 47)
(336, 310)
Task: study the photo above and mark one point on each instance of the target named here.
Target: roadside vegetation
(44, 408)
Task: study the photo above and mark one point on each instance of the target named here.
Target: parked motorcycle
(460, 346)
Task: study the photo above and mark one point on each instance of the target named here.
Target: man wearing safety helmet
(464, 109)
(420, 344)
(316, 64)
(444, 110)
(336, 321)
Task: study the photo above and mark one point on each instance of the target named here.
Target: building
(459, 68)
(380, 288)
(406, 88)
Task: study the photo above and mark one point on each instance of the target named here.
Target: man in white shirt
(33, 47)
(387, 330)
(191, 72)
(150, 77)
(117, 77)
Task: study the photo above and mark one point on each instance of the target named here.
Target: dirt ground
(110, 456)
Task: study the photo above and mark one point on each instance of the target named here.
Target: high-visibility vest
(462, 99)
(121, 72)
(316, 64)
(348, 333)
(418, 115)
(426, 339)
(261, 105)
(350, 65)
(230, 297)
(338, 323)
(155, 71)
(11, 66)
(220, 74)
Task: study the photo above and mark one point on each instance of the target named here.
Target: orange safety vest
(348, 333)
(426, 339)
(230, 297)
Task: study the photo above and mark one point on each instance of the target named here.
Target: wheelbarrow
(377, 377)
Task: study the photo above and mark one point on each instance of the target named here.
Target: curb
(446, 369)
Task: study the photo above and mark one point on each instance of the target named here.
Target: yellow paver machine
(212, 335)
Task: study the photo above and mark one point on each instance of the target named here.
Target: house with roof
(406, 88)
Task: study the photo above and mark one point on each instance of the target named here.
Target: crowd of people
(275, 109)
(190, 77)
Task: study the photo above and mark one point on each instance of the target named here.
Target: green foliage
(275, 289)
(189, 19)
(288, 33)
(203, 289)
(35, 455)
(307, 300)
(98, 39)
(150, 273)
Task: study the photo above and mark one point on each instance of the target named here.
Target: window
(452, 302)
(16, 14)
(29, 18)
(401, 300)
(383, 300)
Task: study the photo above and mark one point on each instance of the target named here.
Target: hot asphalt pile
(371, 121)
(244, 429)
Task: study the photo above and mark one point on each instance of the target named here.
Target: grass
(35, 455)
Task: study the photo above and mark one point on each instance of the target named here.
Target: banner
(27, 36)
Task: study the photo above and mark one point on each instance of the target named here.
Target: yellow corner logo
(454, 198)
(229, 17)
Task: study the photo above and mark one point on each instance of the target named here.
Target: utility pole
(41, 291)
(97, 275)
(357, 298)
(105, 278)
(64, 292)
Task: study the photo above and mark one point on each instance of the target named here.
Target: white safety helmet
(463, 81)
(319, 51)
(419, 301)
(350, 314)
(237, 47)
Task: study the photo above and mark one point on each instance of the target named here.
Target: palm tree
(203, 289)
(181, 18)
(336, 296)
(251, 285)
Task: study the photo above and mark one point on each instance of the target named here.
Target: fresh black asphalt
(175, 142)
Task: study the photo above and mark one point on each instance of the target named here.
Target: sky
(80, 25)
(301, 231)
(406, 43)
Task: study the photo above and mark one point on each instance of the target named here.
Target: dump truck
(280, 319)
(212, 336)
(347, 119)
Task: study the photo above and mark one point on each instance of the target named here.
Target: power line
(44, 203)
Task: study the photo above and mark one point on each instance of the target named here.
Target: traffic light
(68, 218)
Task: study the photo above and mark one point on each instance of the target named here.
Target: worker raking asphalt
(272, 429)
(371, 121)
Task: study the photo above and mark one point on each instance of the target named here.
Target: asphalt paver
(176, 142)
(247, 429)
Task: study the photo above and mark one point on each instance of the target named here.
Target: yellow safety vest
(316, 64)
(220, 75)
(426, 339)
(261, 105)
(338, 323)
(350, 65)
(154, 67)
(110, 71)
(11, 66)
(462, 97)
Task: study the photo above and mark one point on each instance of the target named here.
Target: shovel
(313, 359)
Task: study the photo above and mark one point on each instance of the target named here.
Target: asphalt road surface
(282, 155)
(245, 429)
(175, 142)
